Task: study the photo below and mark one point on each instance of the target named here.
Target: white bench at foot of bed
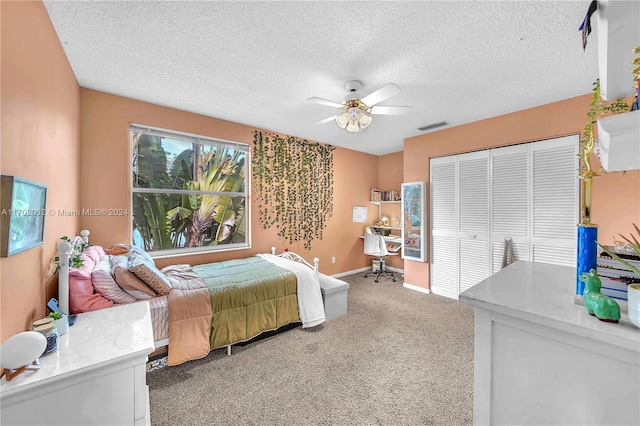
(334, 296)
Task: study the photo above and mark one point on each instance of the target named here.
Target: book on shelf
(608, 262)
(610, 268)
(377, 195)
(613, 283)
(389, 196)
(623, 274)
(613, 293)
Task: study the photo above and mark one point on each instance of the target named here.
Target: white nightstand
(97, 376)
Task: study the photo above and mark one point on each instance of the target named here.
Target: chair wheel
(394, 280)
(375, 281)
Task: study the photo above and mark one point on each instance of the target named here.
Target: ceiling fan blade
(325, 102)
(390, 110)
(326, 120)
(385, 92)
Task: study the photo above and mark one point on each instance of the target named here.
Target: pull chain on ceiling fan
(357, 112)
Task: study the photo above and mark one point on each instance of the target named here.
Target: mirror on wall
(413, 221)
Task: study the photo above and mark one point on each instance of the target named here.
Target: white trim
(202, 140)
(189, 137)
(186, 192)
(188, 251)
(365, 269)
(354, 271)
(416, 288)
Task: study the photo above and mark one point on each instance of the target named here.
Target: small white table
(97, 376)
(541, 359)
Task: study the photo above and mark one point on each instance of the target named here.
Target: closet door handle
(473, 235)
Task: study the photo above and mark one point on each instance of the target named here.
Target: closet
(528, 193)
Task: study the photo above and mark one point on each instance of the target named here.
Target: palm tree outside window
(189, 192)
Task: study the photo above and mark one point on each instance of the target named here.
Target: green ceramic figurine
(603, 307)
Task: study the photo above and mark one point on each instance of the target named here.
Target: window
(189, 192)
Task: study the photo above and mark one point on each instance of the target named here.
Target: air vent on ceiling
(433, 126)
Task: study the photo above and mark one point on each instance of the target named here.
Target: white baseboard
(416, 288)
(355, 271)
(367, 269)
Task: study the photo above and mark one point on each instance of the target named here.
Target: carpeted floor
(397, 357)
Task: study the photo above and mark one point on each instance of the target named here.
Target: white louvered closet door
(473, 218)
(444, 226)
(510, 201)
(527, 192)
(555, 200)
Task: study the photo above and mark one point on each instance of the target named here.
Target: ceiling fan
(355, 112)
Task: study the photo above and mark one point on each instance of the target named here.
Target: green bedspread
(248, 296)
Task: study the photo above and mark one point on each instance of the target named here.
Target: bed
(198, 308)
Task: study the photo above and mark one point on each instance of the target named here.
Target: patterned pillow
(151, 276)
(128, 281)
(104, 283)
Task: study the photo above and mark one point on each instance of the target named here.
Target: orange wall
(105, 181)
(390, 171)
(40, 115)
(615, 198)
(390, 177)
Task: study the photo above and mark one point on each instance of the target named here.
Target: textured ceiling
(256, 63)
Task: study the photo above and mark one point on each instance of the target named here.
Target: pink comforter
(189, 315)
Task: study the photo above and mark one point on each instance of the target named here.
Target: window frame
(202, 140)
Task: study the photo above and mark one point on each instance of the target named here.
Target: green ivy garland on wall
(294, 181)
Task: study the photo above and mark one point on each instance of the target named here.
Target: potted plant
(61, 322)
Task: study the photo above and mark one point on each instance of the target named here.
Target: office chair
(374, 245)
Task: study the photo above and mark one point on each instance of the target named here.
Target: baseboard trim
(416, 288)
(355, 271)
(366, 269)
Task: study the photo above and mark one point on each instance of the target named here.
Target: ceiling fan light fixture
(353, 126)
(364, 120)
(354, 120)
(355, 114)
(342, 120)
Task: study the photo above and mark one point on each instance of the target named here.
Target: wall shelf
(393, 228)
(618, 33)
(619, 138)
(378, 203)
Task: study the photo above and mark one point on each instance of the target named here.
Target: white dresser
(540, 359)
(97, 376)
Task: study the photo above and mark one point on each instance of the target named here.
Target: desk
(541, 359)
(394, 243)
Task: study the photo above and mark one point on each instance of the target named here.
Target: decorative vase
(633, 303)
(62, 325)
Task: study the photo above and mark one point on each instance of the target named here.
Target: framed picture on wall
(22, 213)
(413, 221)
